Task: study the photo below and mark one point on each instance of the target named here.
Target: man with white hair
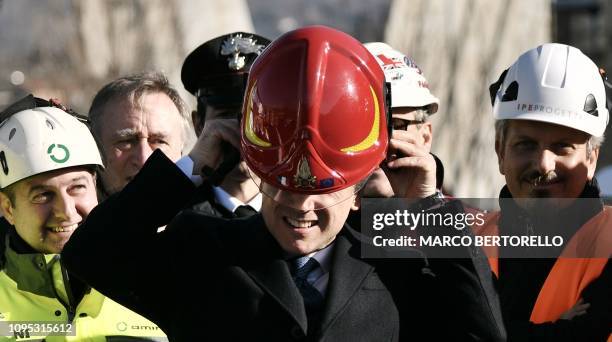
(131, 117)
(411, 105)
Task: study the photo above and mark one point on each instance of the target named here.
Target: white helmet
(409, 88)
(41, 139)
(553, 83)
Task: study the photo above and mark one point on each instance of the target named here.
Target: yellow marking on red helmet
(249, 133)
(372, 137)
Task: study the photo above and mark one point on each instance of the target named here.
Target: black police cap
(222, 61)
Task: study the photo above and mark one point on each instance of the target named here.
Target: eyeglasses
(402, 124)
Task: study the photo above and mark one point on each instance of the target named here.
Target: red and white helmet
(409, 88)
(314, 116)
(553, 83)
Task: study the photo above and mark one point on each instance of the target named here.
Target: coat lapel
(263, 261)
(345, 278)
(275, 279)
(271, 272)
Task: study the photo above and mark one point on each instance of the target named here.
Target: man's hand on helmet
(411, 170)
(207, 151)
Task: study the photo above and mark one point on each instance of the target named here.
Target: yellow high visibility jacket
(35, 300)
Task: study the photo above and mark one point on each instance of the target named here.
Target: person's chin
(551, 190)
(545, 200)
(301, 247)
(114, 187)
(301, 240)
(55, 247)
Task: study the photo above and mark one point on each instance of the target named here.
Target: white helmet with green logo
(41, 139)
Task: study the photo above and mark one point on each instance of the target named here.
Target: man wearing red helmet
(294, 272)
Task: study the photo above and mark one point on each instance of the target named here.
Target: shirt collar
(231, 203)
(30, 270)
(323, 257)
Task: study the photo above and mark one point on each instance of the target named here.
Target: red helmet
(314, 116)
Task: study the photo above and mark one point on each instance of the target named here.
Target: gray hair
(501, 128)
(131, 88)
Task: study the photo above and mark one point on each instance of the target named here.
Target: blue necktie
(313, 299)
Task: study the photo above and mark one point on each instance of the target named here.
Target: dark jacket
(205, 202)
(520, 280)
(207, 278)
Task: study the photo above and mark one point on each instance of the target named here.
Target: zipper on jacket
(71, 307)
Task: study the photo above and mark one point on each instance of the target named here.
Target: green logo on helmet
(55, 157)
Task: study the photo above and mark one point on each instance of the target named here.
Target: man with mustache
(550, 112)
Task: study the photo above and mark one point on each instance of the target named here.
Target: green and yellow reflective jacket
(36, 299)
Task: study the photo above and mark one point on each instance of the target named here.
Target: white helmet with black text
(409, 88)
(553, 83)
(38, 136)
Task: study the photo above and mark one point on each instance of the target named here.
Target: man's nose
(142, 151)
(65, 210)
(300, 202)
(546, 161)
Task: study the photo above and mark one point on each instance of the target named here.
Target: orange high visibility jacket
(572, 271)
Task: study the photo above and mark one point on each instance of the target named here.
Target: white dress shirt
(228, 202)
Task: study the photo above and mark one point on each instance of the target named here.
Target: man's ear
(356, 203)
(426, 132)
(592, 163)
(7, 208)
(499, 150)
